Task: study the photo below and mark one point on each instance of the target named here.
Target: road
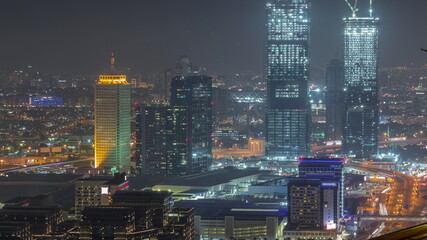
(32, 167)
(401, 200)
(320, 149)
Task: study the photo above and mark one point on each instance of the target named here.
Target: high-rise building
(334, 100)
(325, 169)
(361, 86)
(312, 208)
(315, 199)
(162, 142)
(194, 93)
(287, 73)
(112, 122)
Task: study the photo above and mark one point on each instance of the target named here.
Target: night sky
(226, 36)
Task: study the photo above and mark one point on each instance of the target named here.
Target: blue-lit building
(361, 86)
(315, 199)
(194, 93)
(46, 101)
(287, 73)
(327, 169)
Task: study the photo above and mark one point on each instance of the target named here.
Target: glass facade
(194, 93)
(334, 100)
(361, 87)
(161, 137)
(287, 72)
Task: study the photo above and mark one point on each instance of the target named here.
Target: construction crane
(354, 8)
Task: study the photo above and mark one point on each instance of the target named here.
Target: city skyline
(276, 122)
(229, 42)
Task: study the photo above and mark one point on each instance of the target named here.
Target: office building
(287, 73)
(112, 122)
(318, 114)
(334, 100)
(312, 209)
(161, 140)
(228, 219)
(15, 230)
(105, 222)
(327, 169)
(361, 86)
(181, 224)
(97, 191)
(160, 204)
(315, 199)
(194, 93)
(42, 220)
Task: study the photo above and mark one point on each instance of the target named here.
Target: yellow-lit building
(112, 123)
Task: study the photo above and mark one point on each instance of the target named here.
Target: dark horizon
(76, 37)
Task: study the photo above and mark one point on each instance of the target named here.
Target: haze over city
(225, 36)
(213, 120)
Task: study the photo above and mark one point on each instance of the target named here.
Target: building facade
(97, 191)
(361, 86)
(112, 123)
(194, 93)
(287, 73)
(334, 100)
(161, 135)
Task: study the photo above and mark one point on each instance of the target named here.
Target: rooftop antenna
(113, 64)
(370, 8)
(353, 7)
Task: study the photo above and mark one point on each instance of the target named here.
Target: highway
(400, 202)
(320, 149)
(32, 167)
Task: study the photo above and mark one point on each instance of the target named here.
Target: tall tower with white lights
(287, 73)
(112, 122)
(361, 84)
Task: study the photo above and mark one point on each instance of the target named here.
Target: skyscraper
(329, 170)
(315, 199)
(194, 93)
(287, 73)
(162, 140)
(334, 100)
(112, 122)
(361, 86)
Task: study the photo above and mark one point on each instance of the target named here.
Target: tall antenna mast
(353, 8)
(370, 8)
(113, 64)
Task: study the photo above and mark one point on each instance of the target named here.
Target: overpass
(32, 167)
(319, 149)
(389, 218)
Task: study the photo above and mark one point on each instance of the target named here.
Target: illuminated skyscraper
(112, 122)
(287, 71)
(361, 86)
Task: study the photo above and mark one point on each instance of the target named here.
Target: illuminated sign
(104, 190)
(329, 184)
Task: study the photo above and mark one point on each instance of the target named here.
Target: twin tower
(287, 72)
